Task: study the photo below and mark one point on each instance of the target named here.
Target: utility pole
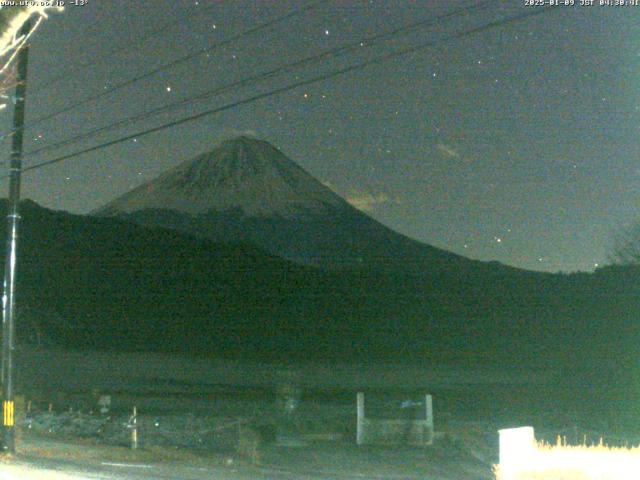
(13, 218)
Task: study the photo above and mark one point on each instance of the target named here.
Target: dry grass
(583, 462)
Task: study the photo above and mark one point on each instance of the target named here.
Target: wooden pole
(13, 217)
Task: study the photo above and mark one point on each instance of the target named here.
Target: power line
(125, 47)
(170, 65)
(358, 45)
(292, 86)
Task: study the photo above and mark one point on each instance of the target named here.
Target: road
(62, 470)
(47, 469)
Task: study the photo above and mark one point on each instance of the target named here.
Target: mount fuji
(246, 190)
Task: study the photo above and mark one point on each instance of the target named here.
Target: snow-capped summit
(242, 174)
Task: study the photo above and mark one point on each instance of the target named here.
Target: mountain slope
(242, 173)
(247, 190)
(104, 284)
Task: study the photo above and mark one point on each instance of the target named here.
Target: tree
(626, 248)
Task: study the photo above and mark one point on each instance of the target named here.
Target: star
(502, 112)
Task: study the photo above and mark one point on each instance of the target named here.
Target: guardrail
(412, 431)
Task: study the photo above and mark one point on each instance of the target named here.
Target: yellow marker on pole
(8, 413)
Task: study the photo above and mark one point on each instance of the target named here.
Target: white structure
(522, 457)
(104, 402)
(379, 431)
(517, 448)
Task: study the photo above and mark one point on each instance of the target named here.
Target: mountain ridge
(246, 189)
(106, 284)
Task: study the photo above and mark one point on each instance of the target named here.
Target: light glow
(521, 457)
(23, 472)
(11, 21)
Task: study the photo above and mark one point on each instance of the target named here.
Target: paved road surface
(61, 470)
(50, 470)
(44, 469)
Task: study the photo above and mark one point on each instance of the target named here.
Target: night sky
(518, 144)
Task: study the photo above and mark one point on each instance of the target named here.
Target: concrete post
(134, 429)
(428, 402)
(360, 419)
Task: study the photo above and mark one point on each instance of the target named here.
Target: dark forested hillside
(101, 283)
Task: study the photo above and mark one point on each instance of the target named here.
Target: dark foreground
(42, 457)
(206, 418)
